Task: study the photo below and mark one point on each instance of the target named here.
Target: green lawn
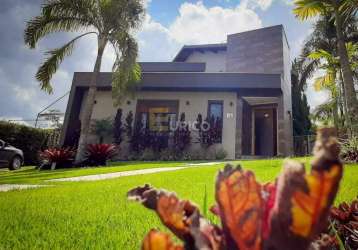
(97, 215)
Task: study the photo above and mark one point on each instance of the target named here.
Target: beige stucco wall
(198, 104)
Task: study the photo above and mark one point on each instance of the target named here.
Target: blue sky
(168, 25)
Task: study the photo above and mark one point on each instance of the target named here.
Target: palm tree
(112, 21)
(341, 10)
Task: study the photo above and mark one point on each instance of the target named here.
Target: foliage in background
(335, 27)
(29, 140)
(118, 129)
(53, 158)
(349, 150)
(102, 128)
(99, 154)
(300, 110)
(340, 13)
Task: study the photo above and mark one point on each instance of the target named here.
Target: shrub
(29, 140)
(182, 137)
(344, 219)
(98, 154)
(220, 154)
(169, 154)
(53, 158)
(148, 155)
(118, 128)
(350, 150)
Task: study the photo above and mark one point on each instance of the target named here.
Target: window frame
(220, 102)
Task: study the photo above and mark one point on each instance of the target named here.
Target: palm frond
(81, 9)
(126, 70)
(40, 26)
(51, 64)
(309, 8)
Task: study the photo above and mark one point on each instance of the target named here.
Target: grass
(97, 215)
(30, 175)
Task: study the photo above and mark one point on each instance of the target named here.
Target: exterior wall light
(187, 103)
(128, 102)
(231, 104)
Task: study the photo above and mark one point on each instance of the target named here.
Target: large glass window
(215, 116)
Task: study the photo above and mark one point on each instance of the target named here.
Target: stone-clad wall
(266, 51)
(257, 51)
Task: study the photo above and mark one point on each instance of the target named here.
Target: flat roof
(186, 50)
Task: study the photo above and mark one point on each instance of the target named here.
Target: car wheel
(15, 163)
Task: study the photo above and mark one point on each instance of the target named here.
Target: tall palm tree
(112, 22)
(341, 10)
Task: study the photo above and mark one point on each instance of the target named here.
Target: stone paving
(9, 187)
(116, 175)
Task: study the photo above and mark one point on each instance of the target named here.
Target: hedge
(29, 140)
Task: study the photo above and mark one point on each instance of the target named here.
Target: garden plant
(289, 213)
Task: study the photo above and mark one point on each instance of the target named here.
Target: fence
(303, 145)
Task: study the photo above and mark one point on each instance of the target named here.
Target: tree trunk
(352, 102)
(88, 107)
(344, 101)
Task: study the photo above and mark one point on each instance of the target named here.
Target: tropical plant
(286, 214)
(349, 152)
(344, 219)
(99, 154)
(112, 22)
(102, 128)
(302, 125)
(53, 158)
(341, 10)
(118, 128)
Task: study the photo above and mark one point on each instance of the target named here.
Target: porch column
(238, 134)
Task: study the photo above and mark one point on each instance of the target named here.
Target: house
(245, 83)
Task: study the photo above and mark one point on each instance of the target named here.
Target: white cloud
(262, 4)
(198, 24)
(315, 98)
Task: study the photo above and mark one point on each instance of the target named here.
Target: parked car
(10, 156)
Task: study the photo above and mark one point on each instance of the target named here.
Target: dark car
(10, 156)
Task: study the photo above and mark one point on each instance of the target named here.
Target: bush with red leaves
(57, 158)
(345, 220)
(98, 154)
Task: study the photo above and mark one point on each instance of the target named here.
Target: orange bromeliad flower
(285, 215)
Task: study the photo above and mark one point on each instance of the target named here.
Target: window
(215, 117)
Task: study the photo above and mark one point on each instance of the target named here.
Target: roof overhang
(190, 81)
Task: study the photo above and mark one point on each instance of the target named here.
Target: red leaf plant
(344, 219)
(57, 158)
(288, 214)
(98, 154)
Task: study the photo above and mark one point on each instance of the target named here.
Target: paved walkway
(9, 187)
(116, 175)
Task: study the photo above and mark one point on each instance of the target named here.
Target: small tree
(103, 128)
(136, 139)
(129, 125)
(118, 128)
(182, 137)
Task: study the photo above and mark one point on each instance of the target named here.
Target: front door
(265, 132)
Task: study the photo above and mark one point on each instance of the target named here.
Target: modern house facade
(243, 83)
